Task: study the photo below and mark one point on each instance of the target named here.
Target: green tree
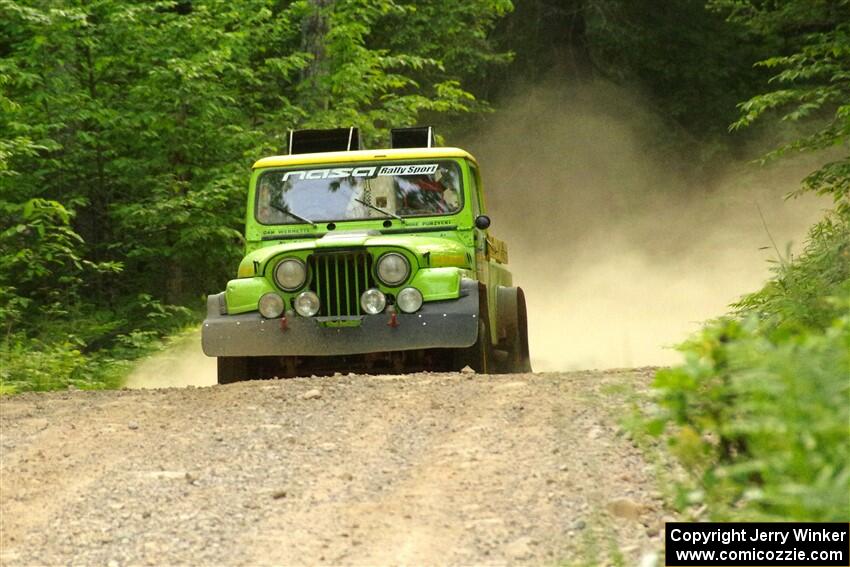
(811, 80)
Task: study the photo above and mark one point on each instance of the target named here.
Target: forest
(128, 129)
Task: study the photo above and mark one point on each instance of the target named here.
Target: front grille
(339, 278)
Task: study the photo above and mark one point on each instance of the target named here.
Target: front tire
(233, 369)
(479, 356)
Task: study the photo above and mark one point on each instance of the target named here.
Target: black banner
(760, 544)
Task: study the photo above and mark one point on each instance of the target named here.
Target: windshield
(369, 191)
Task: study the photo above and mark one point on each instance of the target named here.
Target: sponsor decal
(333, 173)
(370, 171)
(418, 169)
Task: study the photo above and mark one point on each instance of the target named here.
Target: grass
(46, 360)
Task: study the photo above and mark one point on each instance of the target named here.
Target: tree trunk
(313, 30)
(175, 287)
(572, 55)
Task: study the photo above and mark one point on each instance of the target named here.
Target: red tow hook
(393, 322)
(284, 324)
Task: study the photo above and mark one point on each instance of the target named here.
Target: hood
(451, 251)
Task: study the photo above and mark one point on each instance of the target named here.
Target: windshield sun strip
(455, 162)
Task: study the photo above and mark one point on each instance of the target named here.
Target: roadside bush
(34, 365)
(87, 348)
(760, 409)
(799, 298)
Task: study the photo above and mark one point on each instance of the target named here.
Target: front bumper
(439, 324)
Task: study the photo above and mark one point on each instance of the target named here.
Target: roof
(362, 155)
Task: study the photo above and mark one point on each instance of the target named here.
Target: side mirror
(482, 222)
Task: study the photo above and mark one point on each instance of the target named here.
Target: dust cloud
(181, 364)
(620, 252)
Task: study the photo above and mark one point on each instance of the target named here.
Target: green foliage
(763, 420)
(761, 406)
(799, 297)
(40, 265)
(87, 348)
(41, 366)
(811, 80)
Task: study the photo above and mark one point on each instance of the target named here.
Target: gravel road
(348, 470)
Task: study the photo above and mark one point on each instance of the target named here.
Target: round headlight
(270, 305)
(307, 304)
(409, 300)
(393, 268)
(290, 274)
(373, 301)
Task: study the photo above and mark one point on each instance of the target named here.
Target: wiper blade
(293, 215)
(380, 210)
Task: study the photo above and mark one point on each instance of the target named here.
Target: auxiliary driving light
(290, 274)
(373, 301)
(409, 300)
(393, 268)
(307, 304)
(270, 305)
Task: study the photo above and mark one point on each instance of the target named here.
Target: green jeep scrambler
(369, 261)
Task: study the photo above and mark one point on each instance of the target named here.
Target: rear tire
(519, 359)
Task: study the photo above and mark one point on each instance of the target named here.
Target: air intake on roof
(314, 141)
(416, 137)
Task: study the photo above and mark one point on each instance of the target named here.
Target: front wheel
(233, 369)
(479, 356)
(238, 368)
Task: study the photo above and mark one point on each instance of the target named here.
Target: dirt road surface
(348, 470)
